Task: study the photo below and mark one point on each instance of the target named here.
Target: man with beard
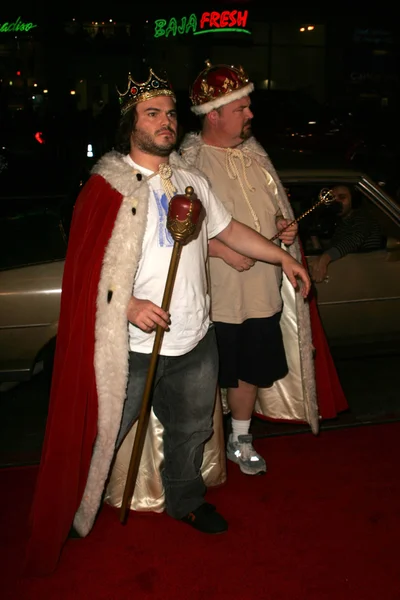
(247, 305)
(115, 272)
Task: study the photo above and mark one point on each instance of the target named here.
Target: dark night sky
(50, 11)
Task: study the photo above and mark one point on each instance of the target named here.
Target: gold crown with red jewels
(140, 91)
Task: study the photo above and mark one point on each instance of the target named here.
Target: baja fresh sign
(16, 25)
(208, 22)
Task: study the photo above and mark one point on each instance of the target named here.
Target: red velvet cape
(330, 396)
(72, 419)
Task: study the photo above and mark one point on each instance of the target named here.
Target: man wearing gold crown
(115, 271)
(263, 328)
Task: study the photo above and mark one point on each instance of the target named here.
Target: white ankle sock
(239, 428)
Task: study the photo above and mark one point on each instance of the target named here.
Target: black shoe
(206, 519)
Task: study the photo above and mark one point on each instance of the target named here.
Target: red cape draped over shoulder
(330, 395)
(72, 419)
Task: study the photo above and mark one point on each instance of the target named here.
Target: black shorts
(252, 352)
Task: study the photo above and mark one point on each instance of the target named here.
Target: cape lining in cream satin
(149, 492)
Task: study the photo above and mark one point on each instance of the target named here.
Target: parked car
(359, 303)
(33, 242)
(359, 300)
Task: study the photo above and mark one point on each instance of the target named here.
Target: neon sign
(209, 22)
(17, 25)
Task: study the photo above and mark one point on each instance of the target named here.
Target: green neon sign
(17, 25)
(209, 22)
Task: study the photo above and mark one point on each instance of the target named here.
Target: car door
(359, 300)
(32, 252)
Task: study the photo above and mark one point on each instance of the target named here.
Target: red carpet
(323, 524)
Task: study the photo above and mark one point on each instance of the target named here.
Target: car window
(31, 232)
(320, 228)
(389, 228)
(319, 223)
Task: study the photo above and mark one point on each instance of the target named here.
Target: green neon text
(185, 26)
(17, 25)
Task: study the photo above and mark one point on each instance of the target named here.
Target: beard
(146, 142)
(246, 132)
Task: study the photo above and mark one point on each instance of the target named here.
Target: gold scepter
(183, 215)
(325, 196)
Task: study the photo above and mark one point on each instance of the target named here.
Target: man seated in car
(355, 231)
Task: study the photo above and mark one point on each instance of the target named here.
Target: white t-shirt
(190, 302)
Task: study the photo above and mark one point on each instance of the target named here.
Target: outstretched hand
(146, 315)
(294, 270)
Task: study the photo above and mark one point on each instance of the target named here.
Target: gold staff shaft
(307, 212)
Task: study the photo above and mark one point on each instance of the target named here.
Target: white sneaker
(244, 455)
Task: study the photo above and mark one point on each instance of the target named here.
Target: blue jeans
(183, 401)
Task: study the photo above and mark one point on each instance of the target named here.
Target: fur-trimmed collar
(190, 150)
(118, 173)
(193, 142)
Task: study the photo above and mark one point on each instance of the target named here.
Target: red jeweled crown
(218, 85)
(138, 92)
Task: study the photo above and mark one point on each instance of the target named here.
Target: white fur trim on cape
(203, 109)
(190, 149)
(111, 350)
